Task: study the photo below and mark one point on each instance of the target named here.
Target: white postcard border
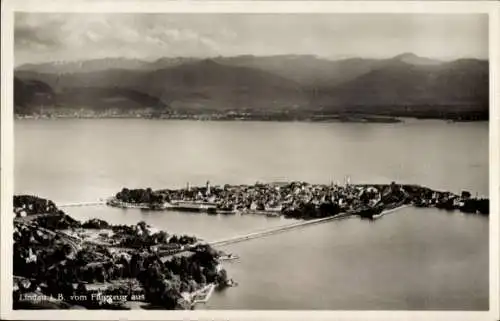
(7, 148)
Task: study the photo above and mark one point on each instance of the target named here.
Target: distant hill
(459, 84)
(403, 85)
(99, 99)
(65, 67)
(195, 84)
(412, 59)
(312, 71)
(30, 94)
(207, 81)
(110, 78)
(305, 70)
(70, 67)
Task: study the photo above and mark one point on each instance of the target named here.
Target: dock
(204, 293)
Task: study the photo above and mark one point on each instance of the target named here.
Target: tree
(308, 210)
(142, 225)
(222, 277)
(161, 237)
(66, 288)
(81, 289)
(174, 239)
(136, 263)
(101, 274)
(170, 297)
(329, 208)
(203, 279)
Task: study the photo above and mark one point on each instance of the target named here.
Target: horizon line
(321, 57)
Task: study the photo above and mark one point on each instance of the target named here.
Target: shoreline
(382, 119)
(391, 211)
(206, 291)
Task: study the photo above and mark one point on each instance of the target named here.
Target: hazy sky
(54, 37)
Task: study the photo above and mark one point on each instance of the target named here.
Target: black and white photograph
(215, 161)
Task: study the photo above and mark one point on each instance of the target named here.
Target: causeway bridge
(258, 234)
(267, 232)
(99, 203)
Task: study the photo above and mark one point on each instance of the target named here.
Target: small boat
(231, 283)
(229, 257)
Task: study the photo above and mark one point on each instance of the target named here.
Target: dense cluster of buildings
(297, 199)
(201, 115)
(278, 197)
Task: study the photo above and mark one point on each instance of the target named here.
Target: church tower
(208, 188)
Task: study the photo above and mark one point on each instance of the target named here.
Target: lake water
(412, 259)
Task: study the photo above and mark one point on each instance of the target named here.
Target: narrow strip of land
(82, 204)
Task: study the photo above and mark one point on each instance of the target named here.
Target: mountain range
(405, 85)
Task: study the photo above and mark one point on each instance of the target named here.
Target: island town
(298, 200)
(60, 262)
